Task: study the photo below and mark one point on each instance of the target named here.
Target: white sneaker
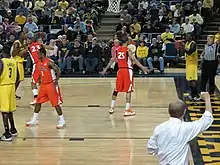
(61, 124)
(111, 111)
(32, 123)
(33, 102)
(129, 113)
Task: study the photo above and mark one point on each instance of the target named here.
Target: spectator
(199, 7)
(6, 25)
(63, 52)
(32, 15)
(10, 16)
(120, 25)
(28, 4)
(126, 17)
(22, 9)
(63, 4)
(79, 25)
(52, 54)
(136, 25)
(11, 40)
(53, 19)
(39, 5)
(32, 27)
(15, 28)
(41, 34)
(187, 27)
(155, 55)
(196, 20)
(217, 36)
(162, 21)
(122, 33)
(76, 57)
(142, 53)
(175, 27)
(133, 35)
(15, 4)
(67, 32)
(43, 19)
(131, 45)
(143, 3)
(140, 17)
(167, 36)
(177, 11)
(148, 28)
(20, 19)
(105, 55)
(2, 35)
(188, 10)
(51, 4)
(91, 56)
(207, 9)
(4, 4)
(59, 12)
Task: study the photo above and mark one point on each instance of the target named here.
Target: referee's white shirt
(170, 140)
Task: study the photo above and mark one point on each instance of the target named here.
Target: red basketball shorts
(35, 75)
(50, 92)
(124, 81)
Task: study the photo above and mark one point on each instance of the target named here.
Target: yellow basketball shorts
(7, 98)
(191, 72)
(20, 71)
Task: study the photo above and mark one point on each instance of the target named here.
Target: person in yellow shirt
(20, 19)
(217, 36)
(191, 57)
(142, 53)
(8, 76)
(167, 36)
(136, 25)
(63, 4)
(18, 50)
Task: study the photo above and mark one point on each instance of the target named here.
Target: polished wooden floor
(108, 139)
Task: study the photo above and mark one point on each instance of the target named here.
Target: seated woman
(133, 35)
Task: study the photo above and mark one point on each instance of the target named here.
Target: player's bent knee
(115, 93)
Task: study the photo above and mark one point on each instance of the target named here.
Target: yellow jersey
(18, 58)
(142, 51)
(9, 74)
(192, 58)
(165, 36)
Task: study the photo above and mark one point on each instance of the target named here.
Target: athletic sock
(61, 118)
(113, 104)
(35, 93)
(127, 106)
(5, 118)
(11, 120)
(35, 117)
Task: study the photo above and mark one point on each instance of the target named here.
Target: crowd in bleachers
(69, 25)
(154, 27)
(157, 28)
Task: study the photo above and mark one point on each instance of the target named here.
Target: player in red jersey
(49, 89)
(33, 48)
(124, 81)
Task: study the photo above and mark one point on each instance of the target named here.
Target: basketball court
(92, 136)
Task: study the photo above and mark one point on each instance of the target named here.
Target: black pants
(208, 74)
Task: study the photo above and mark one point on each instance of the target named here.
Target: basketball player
(18, 51)
(191, 56)
(8, 76)
(33, 51)
(124, 82)
(49, 89)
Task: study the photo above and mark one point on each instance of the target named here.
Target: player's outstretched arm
(108, 66)
(15, 49)
(48, 47)
(134, 60)
(53, 66)
(1, 67)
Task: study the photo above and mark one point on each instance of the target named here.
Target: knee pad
(115, 93)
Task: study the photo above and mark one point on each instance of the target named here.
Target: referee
(209, 65)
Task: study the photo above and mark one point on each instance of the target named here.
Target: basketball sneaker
(32, 123)
(14, 132)
(18, 97)
(129, 112)
(111, 111)
(33, 102)
(61, 124)
(6, 137)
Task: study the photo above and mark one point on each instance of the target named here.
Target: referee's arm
(191, 50)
